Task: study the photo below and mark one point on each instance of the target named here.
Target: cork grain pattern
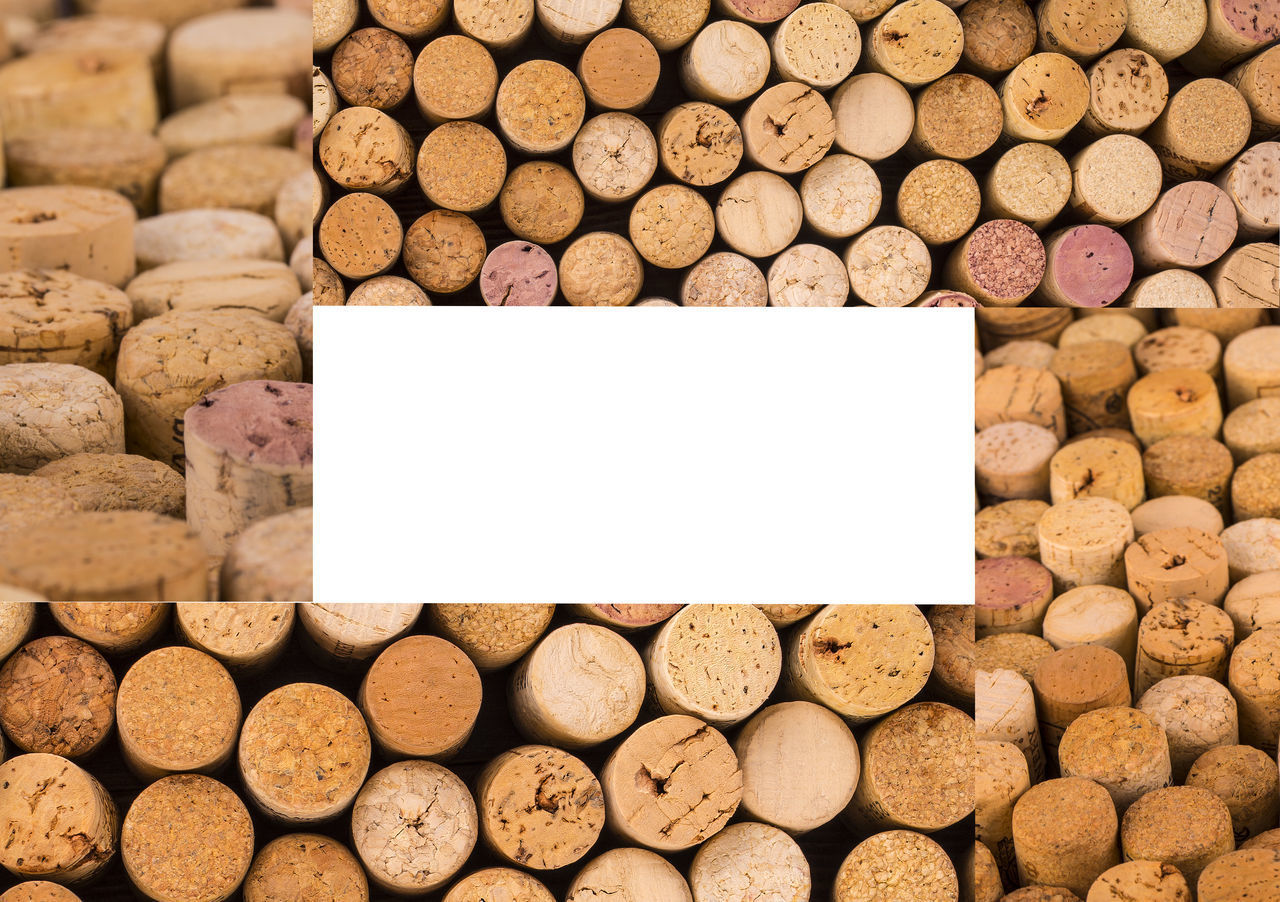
(1187, 633)
(235, 634)
(1192, 225)
(492, 635)
(373, 67)
(115, 159)
(53, 410)
(1185, 826)
(1065, 833)
(410, 18)
(461, 166)
(614, 155)
(1009, 528)
(1099, 466)
(939, 201)
(1205, 124)
(1012, 460)
(58, 697)
(421, 697)
(39, 891)
(841, 195)
(363, 149)
(998, 34)
(83, 229)
(897, 866)
(25, 500)
(747, 862)
(347, 629)
(243, 119)
(1010, 589)
(672, 226)
(444, 251)
(497, 25)
(540, 106)
(1241, 874)
(1020, 653)
(600, 269)
(1081, 28)
(541, 202)
(788, 128)
(1005, 709)
(1128, 90)
(724, 280)
(701, 144)
(1044, 97)
(260, 422)
(239, 51)
(1151, 880)
(957, 117)
(1020, 394)
(1181, 562)
(1005, 258)
(1123, 750)
(108, 87)
(1245, 778)
(1255, 683)
(808, 275)
(1030, 183)
(916, 42)
(111, 627)
(668, 24)
(305, 866)
(629, 875)
(818, 44)
(205, 235)
(573, 21)
(267, 287)
(499, 885)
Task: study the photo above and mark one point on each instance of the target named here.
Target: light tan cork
(1205, 124)
(114, 159)
(1149, 880)
(267, 287)
(808, 275)
(246, 119)
(1127, 326)
(915, 42)
(1097, 467)
(412, 20)
(104, 87)
(727, 62)
(1253, 604)
(348, 634)
(88, 33)
(897, 866)
(783, 615)
(1247, 276)
(540, 202)
(1235, 30)
(388, 291)
(60, 821)
(1000, 779)
(39, 891)
(1184, 826)
(1034, 355)
(461, 166)
(1019, 652)
(981, 865)
(245, 638)
(112, 628)
(1239, 875)
(270, 560)
(1064, 834)
(1011, 595)
(1166, 30)
(1000, 327)
(1006, 710)
(1096, 377)
(324, 99)
(619, 70)
(492, 635)
(52, 410)
(1081, 29)
(243, 51)
(1169, 288)
(939, 201)
(1250, 182)
(671, 784)
(1179, 638)
(1182, 562)
(88, 231)
(615, 155)
(668, 24)
(360, 236)
(1253, 428)
(874, 116)
(1268, 840)
(362, 149)
(59, 697)
(373, 68)
(840, 195)
(800, 766)
(1176, 510)
(539, 807)
(1082, 542)
(498, 24)
(1094, 615)
(1258, 82)
(1121, 749)
(1072, 681)
(333, 20)
(759, 214)
(1188, 465)
(540, 107)
(818, 45)
(1115, 180)
(1174, 402)
(889, 266)
(724, 280)
(1128, 90)
(305, 866)
(1191, 225)
(58, 317)
(1251, 679)
(1044, 97)
(1245, 778)
(205, 235)
(998, 34)
(17, 618)
(1179, 348)
(1255, 488)
(957, 117)
(600, 269)
(444, 251)
(787, 128)
(748, 861)
(1030, 183)
(454, 77)
(304, 752)
(498, 885)
(1251, 366)
(699, 144)
(571, 22)
(246, 177)
(628, 875)
(1009, 528)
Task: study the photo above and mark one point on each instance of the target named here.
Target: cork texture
(668, 24)
(1182, 562)
(747, 861)
(1013, 393)
(355, 632)
(614, 155)
(1064, 833)
(360, 236)
(1179, 348)
(724, 280)
(1140, 879)
(1044, 97)
(305, 866)
(1182, 637)
(1005, 705)
(270, 560)
(1174, 403)
(897, 866)
(59, 697)
(998, 34)
(499, 26)
(461, 166)
(1116, 180)
(1184, 826)
(841, 195)
(1017, 652)
(362, 149)
(1081, 29)
(600, 269)
(787, 128)
(499, 885)
(1190, 465)
(1250, 184)
(1192, 225)
(1000, 263)
(672, 226)
(541, 202)
(629, 875)
(1250, 365)
(493, 636)
(1009, 528)
(244, 119)
(1253, 546)
(1255, 488)
(540, 107)
(240, 51)
(817, 45)
(241, 636)
(957, 117)
(1165, 30)
(873, 114)
(1254, 604)
(889, 266)
(1253, 428)
(39, 891)
(699, 144)
(82, 229)
(208, 235)
(444, 251)
(1094, 615)
(374, 68)
(1251, 679)
(1204, 125)
(114, 159)
(1101, 467)
(1124, 751)
(1011, 595)
(808, 275)
(26, 500)
(111, 628)
(915, 42)
(939, 201)
(421, 697)
(388, 291)
(1074, 680)
(267, 287)
(1128, 90)
(106, 87)
(619, 69)
(759, 214)
(58, 317)
(1245, 778)
(727, 62)
(1095, 377)
(628, 617)
(518, 274)
(1239, 875)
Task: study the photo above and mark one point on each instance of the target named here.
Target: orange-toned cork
(58, 697)
(305, 866)
(1268, 840)
(540, 107)
(1179, 348)
(874, 116)
(498, 885)
(841, 195)
(1030, 183)
(1174, 402)
(1191, 225)
(808, 275)
(1240, 875)
(1258, 81)
(615, 155)
(1000, 327)
(1043, 97)
(1245, 778)
(1101, 467)
(461, 166)
(1019, 652)
(939, 201)
(1081, 29)
(411, 19)
(1253, 428)
(783, 615)
(1006, 710)
(1205, 124)
(1236, 29)
(600, 269)
(388, 291)
(750, 861)
(102, 87)
(1124, 436)
(724, 280)
(889, 266)
(420, 698)
(1122, 750)
(363, 149)
(1182, 562)
(1095, 378)
(629, 875)
(444, 251)
(915, 42)
(787, 128)
(957, 117)
(492, 635)
(347, 634)
(619, 70)
(1185, 826)
(1019, 394)
(373, 67)
(897, 866)
(1182, 637)
(498, 24)
(112, 628)
(1116, 180)
(832, 660)
(1166, 29)
(818, 45)
(1011, 595)
(245, 637)
(699, 144)
(59, 822)
(1064, 834)
(1082, 542)
(981, 864)
(1001, 778)
(1226, 325)
(1128, 91)
(1009, 528)
(668, 24)
(998, 34)
(539, 807)
(58, 317)
(1250, 183)
(1189, 465)
(540, 202)
(39, 891)
(1152, 881)
(454, 77)
(360, 236)
(1196, 713)
(1255, 488)
(86, 230)
(17, 619)
(1094, 615)
(1252, 682)
(1073, 681)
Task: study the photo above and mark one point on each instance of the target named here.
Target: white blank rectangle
(571, 455)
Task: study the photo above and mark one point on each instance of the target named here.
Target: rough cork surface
(1255, 487)
(1186, 633)
(360, 236)
(724, 280)
(1175, 404)
(461, 166)
(115, 159)
(1184, 826)
(374, 68)
(627, 617)
(16, 619)
(726, 63)
(808, 275)
(1121, 749)
(421, 697)
(58, 697)
(363, 149)
(244, 177)
(897, 866)
(498, 27)
(759, 214)
(1181, 562)
(1009, 528)
(1254, 604)
(1191, 465)
(1150, 881)
(1117, 178)
(411, 18)
(915, 42)
(444, 251)
(25, 500)
(1081, 28)
(889, 266)
(39, 891)
(1041, 894)
(788, 128)
(699, 144)
(305, 867)
(1179, 348)
(1044, 97)
(207, 235)
(939, 201)
(238, 635)
(615, 155)
(746, 862)
(267, 287)
(841, 195)
(629, 875)
(1128, 90)
(81, 229)
(1245, 874)
(1014, 393)
(1191, 225)
(987, 886)
(1205, 124)
(540, 106)
(519, 274)
(1004, 259)
(998, 34)
(58, 317)
(112, 628)
(356, 631)
(1064, 831)
(1250, 182)
(957, 117)
(1011, 460)
(1018, 652)
(540, 202)
(672, 226)
(388, 291)
(497, 885)
(238, 119)
(818, 44)
(1166, 29)
(600, 269)
(667, 23)
(1252, 682)
(873, 115)
(271, 560)
(1245, 778)
(1083, 541)
(1106, 467)
(493, 636)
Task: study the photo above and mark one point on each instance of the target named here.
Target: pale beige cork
(1179, 348)
(1251, 366)
(1081, 29)
(303, 754)
(1204, 125)
(374, 68)
(1030, 183)
(1065, 834)
(454, 77)
(1191, 225)
(1034, 355)
(333, 20)
(1075, 680)
(361, 236)
(897, 866)
(818, 45)
(497, 24)
(243, 51)
(1082, 542)
(1097, 467)
(671, 784)
(1245, 778)
(59, 697)
(60, 821)
(1128, 90)
(540, 202)
(889, 266)
(112, 628)
(1006, 708)
(1094, 615)
(1001, 777)
(724, 280)
(981, 866)
(492, 635)
(1009, 528)
(267, 287)
(957, 117)
(1153, 881)
(539, 807)
(362, 149)
(874, 116)
(461, 166)
(1185, 826)
(800, 766)
(106, 88)
(17, 619)
(1011, 461)
(444, 251)
(270, 560)
(915, 42)
(1234, 31)
(939, 201)
(750, 861)
(1188, 465)
(619, 70)
(1096, 377)
(1250, 183)
(348, 634)
(1258, 81)
(1181, 562)
(628, 875)
(208, 234)
(699, 144)
(245, 637)
(1044, 97)
(411, 20)
(759, 214)
(668, 24)
(808, 275)
(672, 226)
(1124, 328)
(1166, 30)
(497, 885)
(88, 231)
(573, 22)
(1247, 276)
(54, 410)
(997, 327)
(88, 33)
(600, 269)
(1121, 749)
(305, 866)
(540, 107)
(388, 291)
(998, 34)
(1240, 875)
(39, 891)
(787, 128)
(582, 685)
(1255, 488)
(727, 62)
(864, 11)
(1251, 679)
(1178, 638)
(324, 105)
(615, 155)
(841, 195)
(783, 615)
(1169, 288)
(1019, 652)
(58, 317)
(1254, 604)
(1115, 180)
(114, 159)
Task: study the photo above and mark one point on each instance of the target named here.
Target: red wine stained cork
(59, 317)
(86, 230)
(388, 291)
(1030, 183)
(518, 274)
(1247, 276)
(1009, 528)
(987, 884)
(1116, 180)
(1251, 366)
(1179, 637)
(1166, 30)
(1196, 713)
(115, 159)
(1174, 402)
(1012, 459)
(454, 77)
(1128, 90)
(1253, 428)
(373, 68)
(1236, 29)
(874, 116)
(956, 117)
(499, 885)
(998, 34)
(724, 280)
(1191, 225)
(347, 634)
(1094, 615)
(540, 107)
(461, 166)
(600, 269)
(1097, 467)
(1239, 875)
(1255, 488)
(539, 807)
(58, 820)
(832, 659)
(360, 236)
(1205, 124)
(1249, 182)
(39, 891)
(1253, 546)
(1258, 81)
(808, 275)
(1011, 595)
(1001, 778)
(241, 51)
(444, 251)
(787, 128)
(1185, 826)
(1254, 604)
(1252, 682)
(1245, 778)
(1035, 355)
(1019, 394)
(915, 42)
(715, 662)
(305, 866)
(1006, 711)
(818, 45)
(668, 24)
(885, 865)
(759, 214)
(1179, 348)
(496, 24)
(632, 875)
(111, 628)
(1085, 266)
(726, 63)
(53, 410)
(412, 20)
(615, 155)
(103, 88)
(363, 149)
(1044, 97)
(999, 263)
(1178, 563)
(1122, 750)
(492, 635)
(1095, 377)
(939, 201)
(782, 615)
(619, 70)
(245, 638)
(672, 226)
(889, 266)
(541, 202)
(757, 12)
(1064, 834)
(699, 144)
(58, 697)
(1081, 29)
(1073, 681)
(750, 861)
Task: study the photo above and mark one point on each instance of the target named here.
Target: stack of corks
(356, 752)
(155, 305)
(1075, 153)
(1128, 605)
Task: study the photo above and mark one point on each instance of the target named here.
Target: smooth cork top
(897, 866)
(306, 866)
(421, 696)
(262, 422)
(1081, 675)
(57, 696)
(1150, 881)
(1186, 632)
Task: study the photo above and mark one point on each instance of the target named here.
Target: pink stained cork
(1087, 266)
(946, 299)
(518, 274)
(758, 11)
(261, 421)
(1011, 594)
(1000, 263)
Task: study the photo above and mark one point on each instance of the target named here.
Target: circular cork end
(305, 866)
(1188, 465)
(727, 62)
(360, 236)
(518, 274)
(540, 107)
(1166, 30)
(66, 227)
(627, 617)
(1011, 594)
(671, 784)
(672, 226)
(1108, 325)
(1148, 880)
(112, 628)
(262, 286)
(1085, 523)
(781, 615)
(1254, 604)
(304, 751)
(541, 202)
(388, 291)
(498, 885)
(240, 635)
(1035, 355)
(1255, 488)
(1004, 259)
(788, 128)
(669, 24)
(808, 275)
(615, 155)
(263, 423)
(1018, 652)
(1253, 428)
(205, 235)
(1012, 460)
(916, 42)
(1242, 874)
(998, 34)
(461, 166)
(58, 820)
(799, 765)
(355, 632)
(1093, 615)
(1044, 97)
(897, 866)
(939, 201)
(759, 214)
(1103, 467)
(1080, 677)
(51, 410)
(1184, 826)
(1182, 562)
(1117, 178)
(421, 698)
(492, 635)
(957, 117)
(1081, 28)
(1128, 91)
(373, 67)
(1173, 510)
(16, 618)
(1192, 225)
(39, 891)
(1121, 749)
(1174, 403)
(497, 27)
(25, 500)
(111, 158)
(539, 807)
(600, 269)
(873, 114)
(619, 69)
(1013, 393)
(817, 45)
(1205, 124)
(724, 280)
(1088, 266)
(1250, 183)
(243, 176)
(750, 861)
(760, 12)
(1186, 633)
(444, 251)
(699, 144)
(1179, 348)
(1245, 778)
(187, 838)
(362, 149)
(332, 20)
(414, 19)
(1066, 816)
(245, 119)
(1030, 183)
(840, 195)
(888, 266)
(58, 697)
(628, 875)
(455, 78)
(1251, 364)
(1009, 528)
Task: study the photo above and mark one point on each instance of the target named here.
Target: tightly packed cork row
(1128, 605)
(155, 341)
(468, 752)
(1076, 153)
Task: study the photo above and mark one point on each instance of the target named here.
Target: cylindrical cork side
(1006, 710)
(1182, 637)
(1011, 595)
(1191, 225)
(1073, 681)
(1001, 779)
(1245, 778)
(1184, 826)
(1252, 681)
(1094, 615)
(1064, 834)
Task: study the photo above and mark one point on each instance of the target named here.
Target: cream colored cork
(1179, 638)
(668, 24)
(243, 51)
(1115, 180)
(628, 875)
(324, 104)
(374, 68)
(1174, 402)
(1234, 31)
(1179, 348)
(59, 697)
(889, 266)
(539, 807)
(1044, 97)
(1245, 778)
(540, 202)
(1148, 880)
(939, 201)
(818, 45)
(1082, 542)
(1034, 355)
(454, 77)
(1081, 29)
(388, 291)
(724, 280)
(52, 410)
(1095, 377)
(1094, 615)
(727, 62)
(348, 634)
(333, 20)
(1255, 488)
(748, 861)
(492, 635)
(1000, 327)
(245, 638)
(1114, 325)
(270, 560)
(808, 275)
(1009, 528)
(619, 70)
(897, 866)
(1165, 30)
(1247, 276)
(305, 866)
(17, 618)
(461, 166)
(1011, 595)
(759, 214)
(58, 317)
(699, 144)
(1121, 749)
(246, 119)
(86, 230)
(112, 628)
(1064, 833)
(207, 234)
(1240, 875)
(1000, 779)
(915, 42)
(671, 784)
(59, 820)
(88, 33)
(1006, 709)
(110, 158)
(840, 195)
(1124, 436)
(360, 236)
(957, 117)
(1182, 562)
(268, 287)
(874, 116)
(783, 615)
(1252, 682)
(1019, 652)
(800, 766)
(497, 24)
(1251, 367)
(444, 251)
(571, 22)
(1030, 183)
(1205, 124)
(1254, 604)
(1188, 465)
(25, 500)
(615, 155)
(247, 177)
(998, 34)
(1128, 90)
(1072, 681)
(173, 13)
(362, 149)
(1184, 826)
(1169, 288)
(787, 128)
(1011, 461)
(303, 754)
(540, 107)
(498, 885)
(1258, 81)
(600, 269)
(104, 88)
(412, 20)
(1191, 225)
(1249, 183)
(981, 865)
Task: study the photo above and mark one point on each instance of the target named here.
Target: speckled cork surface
(520, 274)
(600, 269)
(306, 866)
(59, 697)
(271, 560)
(747, 860)
(1184, 826)
(373, 67)
(25, 500)
(265, 286)
(241, 636)
(540, 201)
(112, 628)
(1121, 749)
(897, 866)
(444, 251)
(260, 421)
(672, 226)
(493, 636)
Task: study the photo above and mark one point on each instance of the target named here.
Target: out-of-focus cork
(1006, 711)
(1115, 180)
(1255, 487)
(1019, 652)
(1044, 97)
(25, 500)
(998, 34)
(1252, 604)
(1149, 880)
(245, 638)
(987, 885)
(362, 149)
(915, 42)
(1011, 595)
(957, 117)
(1064, 834)
(305, 866)
(1253, 546)
(59, 697)
(1121, 749)
(1009, 528)
(267, 287)
(747, 861)
(360, 236)
(672, 226)
(783, 615)
(1245, 778)
(1097, 467)
(1184, 826)
(759, 214)
(1252, 682)
(540, 107)
(105, 87)
(1128, 90)
(461, 166)
(112, 628)
(374, 68)
(115, 159)
(270, 560)
(668, 24)
(246, 119)
(1179, 348)
(1096, 377)
(724, 280)
(600, 269)
(758, 12)
(1108, 324)
(999, 263)
(240, 51)
(498, 885)
(1166, 30)
(874, 116)
(1251, 365)
(1182, 637)
(1253, 428)
(444, 251)
(58, 317)
(1094, 615)
(1034, 355)
(1181, 562)
(1204, 125)
(86, 230)
(1000, 327)
(1073, 681)
(492, 635)
(615, 155)
(629, 875)
(1174, 403)
(206, 235)
(897, 866)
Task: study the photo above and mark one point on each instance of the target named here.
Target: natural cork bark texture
(1096, 377)
(808, 275)
(88, 231)
(889, 266)
(841, 195)
(750, 861)
(388, 291)
(1011, 460)
(1128, 90)
(619, 69)
(1255, 488)
(58, 697)
(1081, 29)
(1011, 595)
(939, 201)
(363, 149)
(1121, 749)
(242, 636)
(242, 51)
(915, 42)
(699, 144)
(1251, 367)
(498, 885)
(266, 287)
(1251, 680)
(1020, 653)
(615, 155)
(271, 560)
(998, 34)
(1191, 225)
(1166, 29)
(497, 25)
(207, 235)
(727, 62)
(1181, 562)
(540, 107)
(1082, 542)
(373, 67)
(788, 128)
(461, 166)
(305, 866)
(243, 119)
(897, 866)
(724, 280)
(241, 177)
(1000, 263)
(540, 202)
(39, 891)
(1184, 826)
(629, 875)
(1098, 466)
(493, 636)
(1240, 875)
(672, 226)
(518, 274)
(25, 500)
(304, 752)
(444, 251)
(59, 317)
(818, 45)
(1174, 403)
(115, 159)
(1192, 465)
(759, 214)
(16, 621)
(350, 633)
(1245, 778)
(1064, 832)
(668, 24)
(1013, 393)
(1043, 97)
(1182, 637)
(1250, 183)
(1147, 880)
(360, 236)
(1030, 183)
(1009, 528)
(671, 784)
(600, 269)
(1116, 179)
(627, 617)
(1205, 124)
(414, 826)
(112, 628)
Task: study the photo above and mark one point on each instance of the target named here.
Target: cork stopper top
(1176, 553)
(52, 211)
(263, 422)
(629, 875)
(632, 616)
(112, 626)
(589, 679)
(1089, 611)
(39, 891)
(1165, 823)
(1255, 664)
(1018, 652)
(422, 693)
(1185, 632)
(1186, 459)
(187, 838)
(870, 656)
(35, 300)
(897, 866)
(1117, 742)
(455, 77)
(540, 105)
(306, 866)
(1128, 90)
(722, 661)
(1244, 874)
(51, 814)
(1152, 881)
(1085, 523)
(1011, 582)
(501, 631)
(229, 629)
(1005, 257)
(29, 499)
(1046, 91)
(1256, 349)
(1055, 814)
(58, 696)
(497, 885)
(919, 760)
(1080, 674)
(750, 861)
(1237, 774)
(1207, 120)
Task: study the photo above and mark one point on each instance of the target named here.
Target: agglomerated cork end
(1018, 394)
(727, 62)
(271, 560)
(1204, 125)
(1000, 263)
(59, 697)
(461, 166)
(874, 116)
(207, 235)
(373, 68)
(1254, 604)
(1005, 706)
(1255, 487)
(411, 19)
(1094, 615)
(1252, 682)
(112, 628)
(800, 766)
(939, 201)
(240, 51)
(444, 251)
(1064, 834)
(541, 202)
(267, 287)
(362, 149)
(1182, 637)
(1251, 365)
(1250, 184)
(25, 500)
(333, 20)
(1128, 90)
(1097, 467)
(1176, 563)
(454, 78)
(1043, 98)
(1018, 652)
(1184, 826)
(840, 195)
(360, 236)
(1121, 749)
(629, 617)
(492, 635)
(58, 317)
(243, 637)
(39, 891)
(1240, 875)
(749, 861)
(699, 144)
(672, 226)
(615, 155)
(350, 633)
(1166, 30)
(1115, 180)
(1179, 348)
(817, 45)
(1197, 714)
(998, 34)
(897, 866)
(957, 117)
(540, 107)
(1041, 894)
(629, 875)
(388, 291)
(915, 42)
(759, 214)
(1009, 528)
(1011, 594)
(600, 269)
(724, 280)
(889, 266)
(1245, 778)
(59, 821)
(1188, 465)
(668, 24)
(787, 128)
(808, 275)
(1149, 880)
(305, 866)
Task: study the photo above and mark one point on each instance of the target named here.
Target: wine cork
(874, 116)
(915, 42)
(270, 560)
(388, 291)
(111, 628)
(1233, 32)
(1011, 595)
(1253, 546)
(1019, 394)
(953, 667)
(16, 621)
(1124, 436)
(1094, 615)
(411, 20)
(799, 765)
(699, 144)
(59, 697)
(1116, 180)
(1030, 183)
(750, 860)
(1249, 183)
(82, 229)
(461, 166)
(1170, 288)
(267, 287)
(245, 119)
(888, 266)
(25, 500)
(808, 275)
(832, 660)
(999, 263)
(1149, 880)
(1251, 680)
(541, 202)
(363, 149)
(1245, 778)
(444, 251)
(759, 12)
(615, 155)
(1043, 98)
(1225, 326)
(374, 68)
(1174, 403)
(1191, 225)
(1009, 528)
(89, 33)
(247, 177)
(1179, 348)
(1034, 355)
(207, 235)
(947, 299)
(672, 226)
(981, 865)
(1250, 365)
(492, 635)
(1256, 80)
(897, 865)
(957, 117)
(724, 280)
(1095, 377)
(55, 410)
(1064, 833)
(1000, 327)
(39, 891)
(499, 885)
(1247, 276)
(1001, 778)
(59, 820)
(787, 128)
(1255, 488)
(781, 615)
(1081, 29)
(1182, 637)
(632, 875)
(1239, 875)
(1196, 713)
(59, 317)
(100, 88)
(454, 77)
(305, 865)
(1082, 542)
(1205, 124)
(1266, 840)
(240, 51)
(540, 107)
(726, 63)
(998, 34)
(1128, 89)
(571, 22)
(347, 634)
(304, 751)
(114, 159)
(600, 269)
(539, 807)
(360, 236)
(1184, 826)
(1187, 465)
(619, 70)
(498, 26)
(1097, 467)
(939, 201)
(759, 214)
(1085, 266)
(334, 19)
(1165, 30)
(1254, 604)
(817, 45)
(1073, 681)
(244, 638)
(1006, 712)
(518, 274)
(667, 25)
(1253, 428)
(1122, 750)
(1177, 563)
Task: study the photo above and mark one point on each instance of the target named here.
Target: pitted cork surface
(305, 867)
(998, 34)
(818, 44)
(388, 291)
(1044, 97)
(414, 826)
(444, 251)
(356, 631)
(257, 422)
(58, 820)
(619, 69)
(58, 317)
(1178, 637)
(727, 62)
(1252, 364)
(788, 128)
(363, 149)
(497, 26)
(1082, 542)
(915, 42)
(114, 627)
(808, 275)
(360, 235)
(1197, 714)
(750, 861)
(615, 155)
(207, 235)
(724, 280)
(1184, 826)
(373, 68)
(271, 560)
(889, 266)
(540, 106)
(58, 697)
(85, 230)
(1252, 679)
(496, 885)
(667, 23)
(1064, 831)
(957, 117)
(1004, 261)
(841, 195)
(540, 202)
(39, 891)
(1107, 467)
(1245, 778)
(1191, 465)
(1128, 90)
(1030, 183)
(1116, 179)
(699, 144)
(1020, 394)
(238, 635)
(1166, 29)
(939, 201)
(1017, 652)
(781, 615)
(759, 214)
(238, 119)
(1205, 124)
(1081, 28)
(1175, 404)
(1151, 881)
(1254, 604)
(461, 166)
(267, 287)
(629, 875)
(1245, 874)
(1250, 182)
(110, 158)
(1009, 528)
(672, 783)
(421, 697)
(897, 866)
(1180, 562)
(1179, 348)
(25, 500)
(238, 176)
(672, 226)
(600, 269)
(493, 636)
(1123, 750)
